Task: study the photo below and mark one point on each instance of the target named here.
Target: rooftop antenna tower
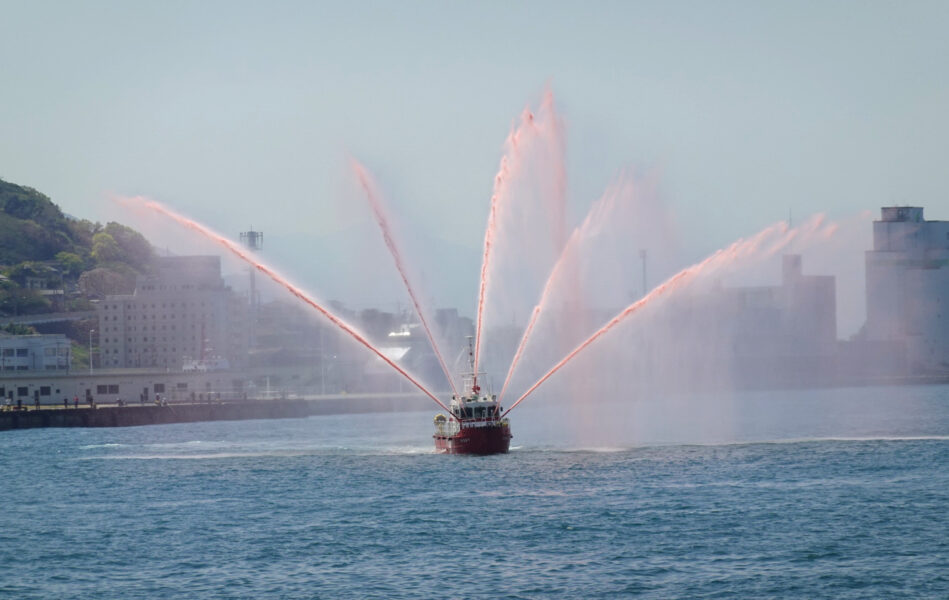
(254, 241)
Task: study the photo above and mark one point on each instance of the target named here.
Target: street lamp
(91, 331)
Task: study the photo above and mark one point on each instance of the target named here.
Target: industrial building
(794, 323)
(908, 287)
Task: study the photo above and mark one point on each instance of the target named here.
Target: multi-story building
(908, 286)
(181, 315)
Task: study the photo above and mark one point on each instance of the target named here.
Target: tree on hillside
(71, 264)
(25, 203)
(18, 329)
(19, 273)
(136, 250)
(15, 300)
(101, 282)
(27, 240)
(82, 231)
(105, 249)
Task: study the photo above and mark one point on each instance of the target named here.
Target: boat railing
(447, 428)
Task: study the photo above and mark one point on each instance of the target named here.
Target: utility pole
(322, 361)
(642, 255)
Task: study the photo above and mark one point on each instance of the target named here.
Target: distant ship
(475, 425)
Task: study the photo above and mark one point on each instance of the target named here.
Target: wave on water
(203, 456)
(98, 446)
(406, 450)
(194, 444)
(819, 439)
(240, 451)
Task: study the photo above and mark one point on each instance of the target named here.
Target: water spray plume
(542, 125)
(499, 181)
(737, 249)
(595, 217)
(375, 203)
(241, 254)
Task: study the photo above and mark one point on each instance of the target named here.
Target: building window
(159, 388)
(102, 389)
(22, 352)
(44, 390)
(114, 388)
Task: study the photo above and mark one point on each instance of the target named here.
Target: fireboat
(475, 425)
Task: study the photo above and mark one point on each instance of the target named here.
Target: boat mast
(474, 376)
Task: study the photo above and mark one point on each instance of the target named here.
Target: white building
(180, 314)
(30, 353)
(908, 286)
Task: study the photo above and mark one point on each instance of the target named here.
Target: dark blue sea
(803, 494)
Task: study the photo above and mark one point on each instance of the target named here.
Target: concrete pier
(235, 410)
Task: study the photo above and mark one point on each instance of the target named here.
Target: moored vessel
(474, 424)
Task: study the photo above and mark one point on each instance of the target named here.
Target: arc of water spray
(511, 163)
(376, 204)
(597, 212)
(500, 186)
(237, 251)
(517, 355)
(736, 249)
(499, 182)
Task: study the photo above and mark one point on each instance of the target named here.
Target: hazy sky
(243, 113)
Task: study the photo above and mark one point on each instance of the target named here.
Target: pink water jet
(375, 203)
(520, 350)
(241, 254)
(547, 129)
(499, 181)
(730, 254)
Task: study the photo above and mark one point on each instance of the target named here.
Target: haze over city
(242, 115)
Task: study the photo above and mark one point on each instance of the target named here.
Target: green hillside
(31, 226)
(42, 250)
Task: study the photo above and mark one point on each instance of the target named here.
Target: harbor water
(794, 494)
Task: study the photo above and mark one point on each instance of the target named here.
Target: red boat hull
(475, 440)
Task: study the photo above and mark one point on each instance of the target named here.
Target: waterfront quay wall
(151, 414)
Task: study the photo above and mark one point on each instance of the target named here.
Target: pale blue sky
(242, 113)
